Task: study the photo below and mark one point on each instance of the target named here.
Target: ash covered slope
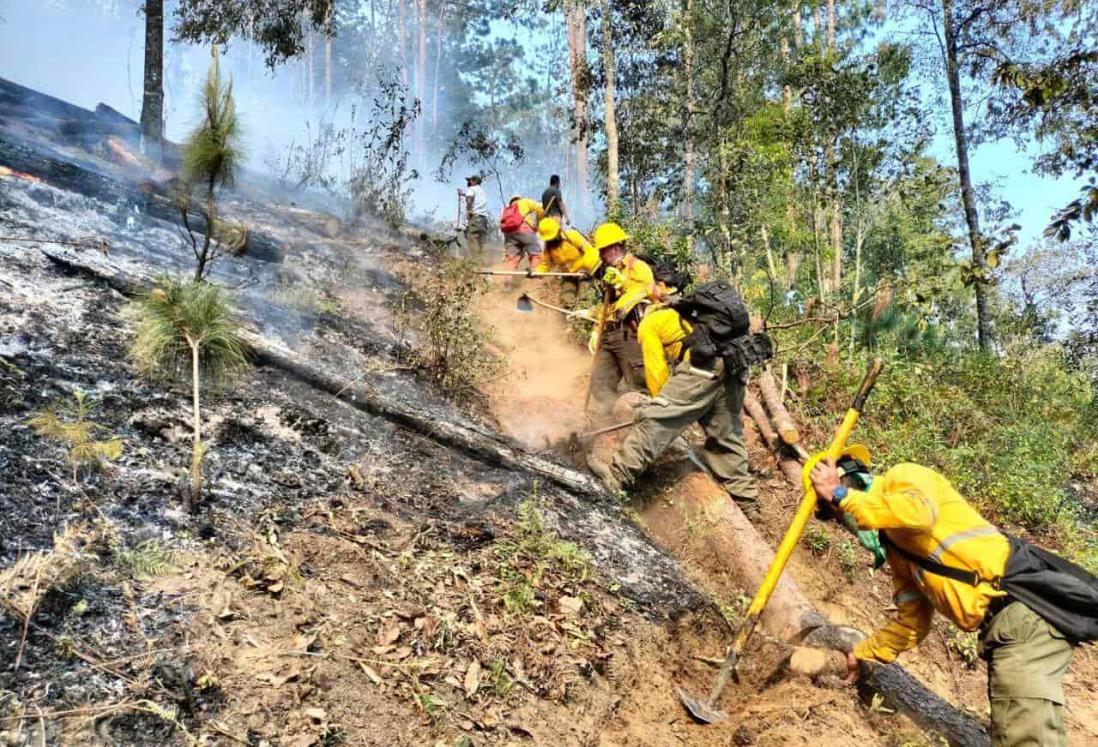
(65, 332)
(276, 443)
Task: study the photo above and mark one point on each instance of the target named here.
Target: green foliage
(817, 539)
(501, 682)
(449, 341)
(211, 154)
(178, 318)
(211, 157)
(68, 424)
(1009, 433)
(147, 560)
(530, 556)
(965, 645)
(849, 559)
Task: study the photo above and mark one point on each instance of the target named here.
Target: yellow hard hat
(608, 234)
(549, 229)
(859, 452)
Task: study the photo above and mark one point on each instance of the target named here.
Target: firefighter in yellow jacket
(566, 250)
(679, 399)
(627, 281)
(920, 517)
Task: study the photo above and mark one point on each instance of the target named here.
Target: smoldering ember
(453, 375)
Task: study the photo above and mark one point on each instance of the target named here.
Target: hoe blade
(524, 304)
(699, 709)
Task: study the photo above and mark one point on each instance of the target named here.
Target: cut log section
(783, 421)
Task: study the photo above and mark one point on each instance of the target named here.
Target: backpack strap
(972, 578)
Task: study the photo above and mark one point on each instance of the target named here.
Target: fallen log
(783, 421)
(755, 411)
(485, 445)
(790, 466)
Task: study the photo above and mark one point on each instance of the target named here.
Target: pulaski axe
(706, 711)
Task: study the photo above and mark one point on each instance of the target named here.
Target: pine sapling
(188, 329)
(69, 423)
(211, 159)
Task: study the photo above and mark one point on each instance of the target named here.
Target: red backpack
(511, 220)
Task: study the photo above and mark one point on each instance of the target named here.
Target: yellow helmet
(549, 229)
(859, 452)
(608, 234)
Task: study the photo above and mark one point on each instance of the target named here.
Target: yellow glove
(613, 277)
(593, 342)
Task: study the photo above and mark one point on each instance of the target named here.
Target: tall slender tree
(152, 102)
(609, 111)
(964, 173)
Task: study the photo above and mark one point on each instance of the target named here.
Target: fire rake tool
(533, 275)
(706, 711)
(525, 303)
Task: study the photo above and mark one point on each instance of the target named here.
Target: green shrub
(1009, 433)
(448, 341)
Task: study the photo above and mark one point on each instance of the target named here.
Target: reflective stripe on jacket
(924, 514)
(660, 335)
(573, 254)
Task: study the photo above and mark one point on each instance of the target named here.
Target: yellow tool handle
(808, 503)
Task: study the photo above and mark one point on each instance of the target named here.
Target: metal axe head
(524, 304)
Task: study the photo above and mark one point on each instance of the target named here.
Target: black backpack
(1062, 593)
(719, 322)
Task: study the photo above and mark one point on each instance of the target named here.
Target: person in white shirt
(476, 216)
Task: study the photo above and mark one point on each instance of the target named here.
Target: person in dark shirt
(553, 201)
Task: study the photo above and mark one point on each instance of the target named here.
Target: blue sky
(77, 53)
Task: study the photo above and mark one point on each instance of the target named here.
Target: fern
(68, 423)
(147, 560)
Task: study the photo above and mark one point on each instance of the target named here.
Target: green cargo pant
(476, 233)
(571, 290)
(1026, 662)
(685, 399)
(619, 359)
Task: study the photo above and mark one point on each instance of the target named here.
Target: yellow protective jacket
(573, 254)
(637, 282)
(923, 513)
(531, 210)
(660, 335)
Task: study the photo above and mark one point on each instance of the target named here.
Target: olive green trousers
(685, 399)
(1026, 662)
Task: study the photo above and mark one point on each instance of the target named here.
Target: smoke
(508, 80)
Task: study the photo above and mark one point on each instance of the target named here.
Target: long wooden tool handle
(793, 534)
(598, 345)
(808, 503)
(523, 273)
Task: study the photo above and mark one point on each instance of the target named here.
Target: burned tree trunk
(152, 104)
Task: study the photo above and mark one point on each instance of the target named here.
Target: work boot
(606, 476)
(750, 507)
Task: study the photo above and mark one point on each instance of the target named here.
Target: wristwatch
(838, 494)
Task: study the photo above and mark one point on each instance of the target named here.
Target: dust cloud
(540, 402)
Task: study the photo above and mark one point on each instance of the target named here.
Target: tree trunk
(421, 82)
(783, 421)
(327, 68)
(576, 24)
(152, 103)
(688, 173)
(402, 39)
(968, 198)
(612, 188)
(196, 453)
(438, 66)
